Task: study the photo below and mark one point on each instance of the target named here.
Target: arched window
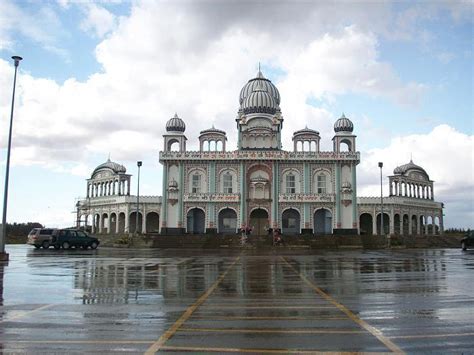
(290, 184)
(196, 184)
(321, 184)
(227, 182)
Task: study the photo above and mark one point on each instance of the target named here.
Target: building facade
(260, 185)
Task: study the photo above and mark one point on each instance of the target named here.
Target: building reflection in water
(146, 280)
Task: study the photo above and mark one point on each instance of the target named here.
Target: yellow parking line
(280, 331)
(264, 318)
(422, 336)
(262, 351)
(189, 311)
(80, 341)
(371, 329)
(27, 313)
(266, 307)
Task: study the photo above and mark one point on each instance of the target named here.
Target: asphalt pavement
(232, 301)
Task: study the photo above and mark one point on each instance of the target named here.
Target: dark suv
(67, 238)
(468, 240)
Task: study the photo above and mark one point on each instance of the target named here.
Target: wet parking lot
(233, 301)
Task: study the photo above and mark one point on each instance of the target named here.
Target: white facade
(260, 185)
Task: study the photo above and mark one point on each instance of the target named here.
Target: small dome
(343, 124)
(259, 101)
(266, 84)
(175, 124)
(110, 165)
(405, 168)
(213, 130)
(305, 130)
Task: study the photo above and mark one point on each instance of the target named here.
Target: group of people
(275, 233)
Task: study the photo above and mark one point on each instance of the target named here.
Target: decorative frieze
(212, 197)
(306, 197)
(261, 155)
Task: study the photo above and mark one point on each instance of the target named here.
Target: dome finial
(343, 116)
(108, 159)
(411, 157)
(260, 75)
(175, 115)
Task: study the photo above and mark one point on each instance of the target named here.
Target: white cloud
(446, 155)
(98, 21)
(43, 27)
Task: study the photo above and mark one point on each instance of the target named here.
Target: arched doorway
(386, 224)
(121, 222)
(152, 222)
(422, 224)
(414, 225)
(396, 224)
(259, 221)
(113, 223)
(365, 223)
(105, 223)
(227, 221)
(132, 223)
(405, 225)
(290, 222)
(323, 221)
(196, 221)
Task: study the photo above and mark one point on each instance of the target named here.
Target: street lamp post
(382, 231)
(3, 236)
(139, 164)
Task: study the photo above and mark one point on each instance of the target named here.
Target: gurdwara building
(260, 185)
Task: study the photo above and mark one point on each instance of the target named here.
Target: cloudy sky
(102, 78)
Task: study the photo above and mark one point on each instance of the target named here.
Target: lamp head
(139, 163)
(16, 59)
(380, 164)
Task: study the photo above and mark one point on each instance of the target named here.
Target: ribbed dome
(403, 169)
(175, 124)
(110, 165)
(266, 84)
(259, 101)
(343, 124)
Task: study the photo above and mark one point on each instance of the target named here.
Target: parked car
(468, 240)
(41, 237)
(68, 238)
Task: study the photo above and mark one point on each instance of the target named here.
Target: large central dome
(262, 82)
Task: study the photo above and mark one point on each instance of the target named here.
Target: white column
(392, 222)
(127, 220)
(374, 223)
(143, 220)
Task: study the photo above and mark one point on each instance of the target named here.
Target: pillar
(127, 221)
(355, 221)
(243, 193)
(164, 199)
(338, 194)
(307, 228)
(180, 196)
(374, 222)
(275, 192)
(391, 229)
(143, 219)
(211, 180)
